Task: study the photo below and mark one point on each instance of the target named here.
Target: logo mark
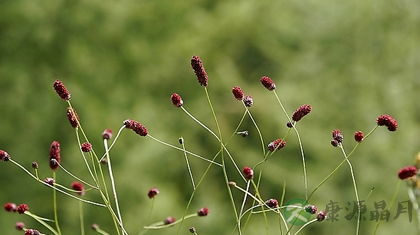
(294, 212)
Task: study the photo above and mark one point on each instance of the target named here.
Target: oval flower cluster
(136, 127)
(388, 121)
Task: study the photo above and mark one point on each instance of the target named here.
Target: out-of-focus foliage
(351, 60)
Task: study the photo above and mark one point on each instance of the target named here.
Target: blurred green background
(351, 60)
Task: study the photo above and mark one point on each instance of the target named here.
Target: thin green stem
(223, 159)
(55, 205)
(37, 218)
(114, 190)
(188, 163)
(180, 149)
(355, 188)
(82, 221)
(339, 165)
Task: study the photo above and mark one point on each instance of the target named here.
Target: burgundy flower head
(35, 165)
(272, 203)
(107, 134)
(22, 208)
(407, 172)
(61, 90)
(31, 232)
(136, 127)
(77, 186)
(268, 83)
(153, 192)
(203, 211)
(169, 220)
(19, 226)
(176, 100)
(273, 145)
(301, 112)
(73, 117)
(199, 71)
(248, 101)
(388, 121)
(322, 215)
(10, 207)
(54, 155)
(337, 135)
(86, 147)
(248, 172)
(4, 156)
(334, 143)
(358, 136)
(237, 93)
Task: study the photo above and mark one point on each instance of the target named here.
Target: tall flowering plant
(99, 167)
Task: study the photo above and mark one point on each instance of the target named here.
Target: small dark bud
(169, 220)
(153, 192)
(248, 101)
(107, 134)
(78, 187)
(248, 172)
(86, 147)
(49, 181)
(203, 211)
(19, 226)
(10, 207)
(35, 165)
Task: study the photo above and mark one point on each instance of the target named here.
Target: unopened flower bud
(358, 136)
(272, 203)
(107, 134)
(78, 187)
(337, 135)
(248, 101)
(35, 165)
(19, 226)
(321, 216)
(10, 207)
(4, 156)
(86, 147)
(153, 192)
(169, 220)
(49, 181)
(248, 172)
(203, 211)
